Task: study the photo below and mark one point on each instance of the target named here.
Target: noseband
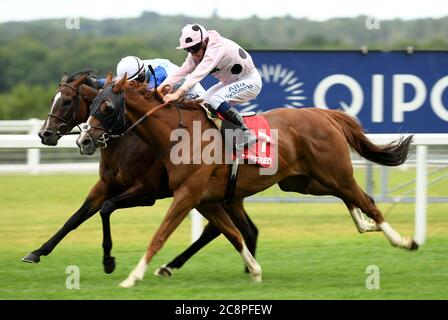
(107, 133)
(103, 139)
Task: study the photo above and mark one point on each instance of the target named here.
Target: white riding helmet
(133, 66)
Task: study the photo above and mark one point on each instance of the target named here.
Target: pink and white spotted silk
(223, 58)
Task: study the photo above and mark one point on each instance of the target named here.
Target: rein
(140, 120)
(107, 136)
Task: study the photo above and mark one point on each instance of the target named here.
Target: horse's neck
(146, 130)
(157, 130)
(88, 93)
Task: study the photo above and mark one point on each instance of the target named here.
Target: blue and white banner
(389, 92)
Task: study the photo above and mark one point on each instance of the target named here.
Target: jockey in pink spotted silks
(210, 53)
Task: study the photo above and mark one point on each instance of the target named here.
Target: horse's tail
(393, 154)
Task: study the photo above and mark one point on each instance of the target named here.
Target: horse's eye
(66, 102)
(107, 108)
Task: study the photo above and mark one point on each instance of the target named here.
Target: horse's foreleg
(183, 202)
(132, 197)
(239, 216)
(209, 233)
(219, 217)
(90, 206)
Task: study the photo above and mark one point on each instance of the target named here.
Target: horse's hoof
(31, 258)
(127, 283)
(414, 245)
(256, 277)
(109, 265)
(163, 271)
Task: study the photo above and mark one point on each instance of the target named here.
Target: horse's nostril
(86, 142)
(46, 134)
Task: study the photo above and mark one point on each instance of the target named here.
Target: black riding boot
(235, 117)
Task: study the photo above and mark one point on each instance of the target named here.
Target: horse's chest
(115, 176)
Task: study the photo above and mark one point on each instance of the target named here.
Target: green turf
(307, 251)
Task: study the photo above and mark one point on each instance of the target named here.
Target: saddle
(257, 154)
(257, 124)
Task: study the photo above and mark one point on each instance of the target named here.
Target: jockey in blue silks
(137, 69)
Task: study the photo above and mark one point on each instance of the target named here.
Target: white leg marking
(136, 275)
(251, 263)
(361, 223)
(159, 272)
(394, 237)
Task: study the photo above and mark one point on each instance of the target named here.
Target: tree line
(34, 55)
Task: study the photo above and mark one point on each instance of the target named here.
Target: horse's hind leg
(352, 193)
(245, 225)
(308, 185)
(361, 223)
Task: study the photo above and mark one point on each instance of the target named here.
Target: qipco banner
(389, 92)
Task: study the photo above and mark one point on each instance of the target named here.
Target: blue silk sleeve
(161, 75)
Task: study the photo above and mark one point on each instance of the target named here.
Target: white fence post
(33, 155)
(196, 225)
(421, 195)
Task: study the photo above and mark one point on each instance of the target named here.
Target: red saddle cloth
(259, 153)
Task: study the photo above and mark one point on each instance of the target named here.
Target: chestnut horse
(313, 154)
(130, 176)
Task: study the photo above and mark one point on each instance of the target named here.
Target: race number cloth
(260, 152)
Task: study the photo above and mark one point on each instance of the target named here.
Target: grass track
(307, 251)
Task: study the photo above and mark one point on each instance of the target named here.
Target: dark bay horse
(313, 155)
(130, 176)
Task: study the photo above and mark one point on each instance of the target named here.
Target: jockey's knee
(215, 101)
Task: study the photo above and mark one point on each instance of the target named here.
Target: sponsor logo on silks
(282, 87)
(192, 96)
(237, 88)
(260, 160)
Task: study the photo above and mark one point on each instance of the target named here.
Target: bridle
(107, 133)
(64, 122)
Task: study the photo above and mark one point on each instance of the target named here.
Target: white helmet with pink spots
(192, 34)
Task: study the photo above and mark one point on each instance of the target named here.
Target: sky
(20, 10)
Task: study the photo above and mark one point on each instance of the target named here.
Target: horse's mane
(77, 75)
(89, 80)
(137, 88)
(189, 104)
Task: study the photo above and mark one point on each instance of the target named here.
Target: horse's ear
(64, 77)
(119, 86)
(164, 90)
(80, 80)
(109, 77)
